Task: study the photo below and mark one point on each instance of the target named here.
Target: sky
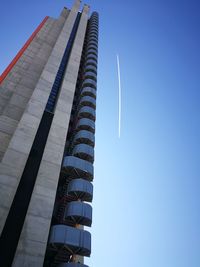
(146, 208)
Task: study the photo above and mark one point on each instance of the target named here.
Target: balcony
(92, 39)
(84, 137)
(91, 68)
(78, 212)
(72, 264)
(88, 91)
(87, 112)
(90, 75)
(91, 50)
(91, 62)
(85, 124)
(94, 18)
(93, 57)
(87, 100)
(90, 83)
(92, 42)
(80, 189)
(74, 167)
(83, 151)
(91, 46)
(74, 240)
(93, 34)
(94, 23)
(94, 27)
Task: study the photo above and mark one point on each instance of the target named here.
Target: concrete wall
(17, 88)
(33, 240)
(22, 108)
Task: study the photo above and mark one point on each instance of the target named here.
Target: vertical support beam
(34, 235)
(21, 81)
(15, 157)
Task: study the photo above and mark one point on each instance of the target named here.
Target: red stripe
(19, 54)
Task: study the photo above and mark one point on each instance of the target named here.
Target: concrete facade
(24, 94)
(17, 131)
(17, 88)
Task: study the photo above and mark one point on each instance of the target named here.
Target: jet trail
(119, 115)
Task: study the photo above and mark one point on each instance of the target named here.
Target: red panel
(19, 54)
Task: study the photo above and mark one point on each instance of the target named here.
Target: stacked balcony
(68, 240)
(72, 264)
(88, 91)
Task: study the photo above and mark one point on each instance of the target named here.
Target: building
(47, 125)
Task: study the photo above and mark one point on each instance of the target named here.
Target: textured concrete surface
(18, 86)
(23, 97)
(40, 210)
(21, 109)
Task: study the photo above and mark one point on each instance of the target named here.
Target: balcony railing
(80, 189)
(88, 91)
(91, 51)
(91, 62)
(78, 212)
(90, 75)
(72, 264)
(90, 67)
(74, 240)
(92, 29)
(93, 57)
(93, 35)
(85, 152)
(87, 100)
(91, 46)
(74, 167)
(87, 112)
(86, 124)
(89, 82)
(84, 137)
(92, 42)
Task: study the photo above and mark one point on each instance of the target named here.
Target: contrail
(119, 80)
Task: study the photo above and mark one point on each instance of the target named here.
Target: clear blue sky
(147, 183)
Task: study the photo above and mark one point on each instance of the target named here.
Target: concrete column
(20, 83)
(15, 157)
(32, 244)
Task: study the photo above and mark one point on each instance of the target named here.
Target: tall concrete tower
(47, 126)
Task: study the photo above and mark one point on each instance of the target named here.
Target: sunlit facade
(47, 127)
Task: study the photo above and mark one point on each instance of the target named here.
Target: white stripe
(119, 80)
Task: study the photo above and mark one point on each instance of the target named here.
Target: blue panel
(87, 112)
(89, 91)
(86, 124)
(84, 151)
(78, 212)
(90, 74)
(72, 264)
(77, 168)
(84, 137)
(81, 189)
(76, 240)
(89, 82)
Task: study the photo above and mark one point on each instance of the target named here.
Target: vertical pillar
(32, 244)
(15, 157)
